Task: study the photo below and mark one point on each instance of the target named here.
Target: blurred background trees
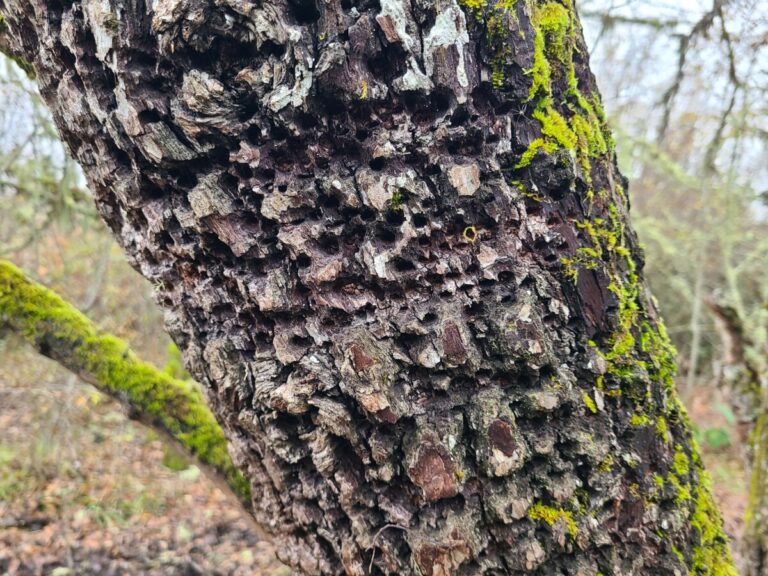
(685, 85)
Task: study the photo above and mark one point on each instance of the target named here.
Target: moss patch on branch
(64, 334)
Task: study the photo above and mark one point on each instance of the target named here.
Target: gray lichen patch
(208, 198)
(446, 51)
(464, 178)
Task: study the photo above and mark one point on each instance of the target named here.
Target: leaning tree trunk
(391, 239)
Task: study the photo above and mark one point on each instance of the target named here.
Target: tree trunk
(744, 377)
(391, 239)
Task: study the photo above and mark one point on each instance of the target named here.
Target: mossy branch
(173, 407)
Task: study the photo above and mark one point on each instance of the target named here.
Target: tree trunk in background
(744, 377)
(391, 239)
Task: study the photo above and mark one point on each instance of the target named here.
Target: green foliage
(714, 437)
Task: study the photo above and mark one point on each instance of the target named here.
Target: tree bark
(744, 377)
(391, 239)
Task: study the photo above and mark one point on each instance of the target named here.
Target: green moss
(661, 427)
(476, 6)
(682, 488)
(554, 127)
(542, 513)
(606, 465)
(755, 527)
(589, 402)
(554, 43)
(541, 71)
(531, 195)
(497, 17)
(711, 557)
(585, 131)
(555, 21)
(177, 407)
(534, 148)
(397, 201)
(638, 354)
(640, 420)
(681, 463)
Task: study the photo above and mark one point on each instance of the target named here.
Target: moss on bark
(61, 332)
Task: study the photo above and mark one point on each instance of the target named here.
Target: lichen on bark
(391, 239)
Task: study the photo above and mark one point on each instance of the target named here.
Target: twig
(376, 537)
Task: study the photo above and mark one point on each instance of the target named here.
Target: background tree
(404, 274)
(744, 373)
(690, 135)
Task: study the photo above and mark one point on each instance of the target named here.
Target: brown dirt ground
(83, 490)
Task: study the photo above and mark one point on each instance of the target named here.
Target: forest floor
(84, 491)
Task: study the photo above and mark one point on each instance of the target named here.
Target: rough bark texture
(390, 237)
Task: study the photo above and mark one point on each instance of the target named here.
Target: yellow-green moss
(498, 17)
(639, 420)
(177, 407)
(606, 465)
(589, 402)
(555, 21)
(533, 149)
(540, 72)
(397, 201)
(661, 427)
(755, 528)
(542, 513)
(639, 350)
(683, 493)
(554, 127)
(711, 557)
(681, 463)
(585, 130)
